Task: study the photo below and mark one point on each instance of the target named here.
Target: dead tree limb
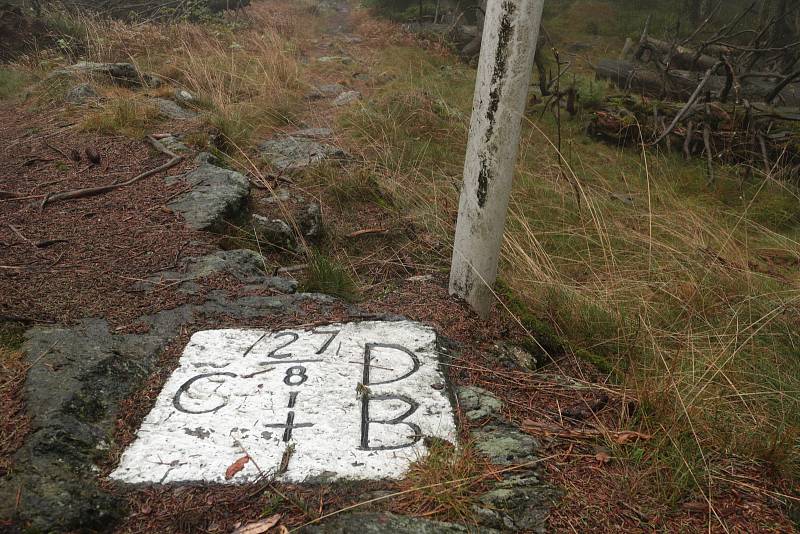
(782, 85)
(92, 191)
(689, 104)
(687, 143)
(709, 155)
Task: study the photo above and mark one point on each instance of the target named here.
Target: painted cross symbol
(289, 426)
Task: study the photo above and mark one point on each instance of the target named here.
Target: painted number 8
(295, 375)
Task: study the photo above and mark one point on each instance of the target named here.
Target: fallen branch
(92, 191)
(781, 86)
(31, 161)
(56, 149)
(44, 243)
(620, 437)
(689, 104)
(709, 153)
(19, 234)
(367, 231)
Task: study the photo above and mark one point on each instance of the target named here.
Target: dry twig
(92, 191)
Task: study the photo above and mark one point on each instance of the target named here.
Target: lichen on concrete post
(511, 30)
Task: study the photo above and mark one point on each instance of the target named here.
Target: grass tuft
(12, 82)
(327, 275)
(122, 115)
(449, 481)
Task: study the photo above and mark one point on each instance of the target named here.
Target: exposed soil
(100, 245)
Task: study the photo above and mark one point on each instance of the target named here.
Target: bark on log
(730, 130)
(680, 84)
(680, 57)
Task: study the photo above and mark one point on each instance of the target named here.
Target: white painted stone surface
(235, 391)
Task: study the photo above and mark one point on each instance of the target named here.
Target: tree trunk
(501, 92)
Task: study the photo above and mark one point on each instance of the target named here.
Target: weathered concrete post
(511, 30)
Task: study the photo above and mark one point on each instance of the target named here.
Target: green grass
(448, 482)
(11, 335)
(122, 115)
(664, 296)
(326, 275)
(232, 132)
(12, 83)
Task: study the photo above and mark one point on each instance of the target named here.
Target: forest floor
(664, 316)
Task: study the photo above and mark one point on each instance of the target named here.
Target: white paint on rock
(235, 391)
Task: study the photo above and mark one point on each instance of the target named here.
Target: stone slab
(215, 194)
(297, 153)
(387, 523)
(346, 401)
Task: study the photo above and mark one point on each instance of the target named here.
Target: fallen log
(676, 85)
(678, 56)
(756, 137)
(679, 85)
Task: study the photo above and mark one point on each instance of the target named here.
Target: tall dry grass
(244, 69)
(688, 298)
(678, 295)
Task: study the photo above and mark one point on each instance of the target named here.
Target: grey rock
(503, 444)
(625, 198)
(281, 197)
(386, 523)
(347, 98)
(274, 233)
(519, 503)
(78, 378)
(344, 60)
(514, 357)
(477, 403)
(326, 91)
(215, 194)
(124, 74)
(182, 96)
(362, 77)
(172, 110)
(313, 133)
(310, 222)
(174, 144)
(332, 89)
(385, 78)
(279, 284)
(297, 153)
(80, 93)
(245, 265)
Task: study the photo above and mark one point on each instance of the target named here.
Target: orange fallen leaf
(603, 457)
(623, 438)
(236, 466)
(259, 527)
